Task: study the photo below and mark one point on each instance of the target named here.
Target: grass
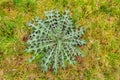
(100, 17)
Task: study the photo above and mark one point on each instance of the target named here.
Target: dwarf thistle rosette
(57, 39)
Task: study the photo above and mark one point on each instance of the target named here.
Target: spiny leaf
(57, 37)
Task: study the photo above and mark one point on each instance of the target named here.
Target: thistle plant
(57, 39)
